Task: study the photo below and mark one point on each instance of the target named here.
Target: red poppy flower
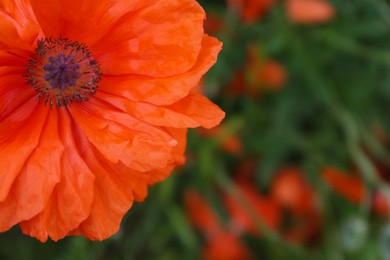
(95, 102)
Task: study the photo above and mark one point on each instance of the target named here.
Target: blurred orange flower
(201, 215)
(309, 11)
(271, 74)
(290, 208)
(226, 246)
(292, 191)
(251, 10)
(380, 204)
(227, 141)
(298, 199)
(267, 210)
(348, 185)
(352, 188)
(232, 145)
(221, 242)
(89, 118)
(258, 74)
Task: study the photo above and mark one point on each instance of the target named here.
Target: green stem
(346, 121)
(350, 46)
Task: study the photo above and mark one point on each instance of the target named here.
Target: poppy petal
(33, 173)
(149, 42)
(9, 36)
(13, 86)
(71, 199)
(158, 175)
(192, 111)
(17, 19)
(113, 196)
(200, 109)
(120, 137)
(59, 17)
(166, 90)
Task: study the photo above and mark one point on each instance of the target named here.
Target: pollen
(62, 72)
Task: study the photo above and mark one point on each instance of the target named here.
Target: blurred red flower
(290, 209)
(250, 10)
(266, 209)
(221, 242)
(227, 141)
(201, 215)
(292, 191)
(299, 202)
(258, 74)
(119, 101)
(213, 24)
(226, 246)
(349, 186)
(380, 204)
(309, 11)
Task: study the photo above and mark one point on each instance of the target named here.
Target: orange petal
(16, 91)
(149, 42)
(120, 137)
(116, 187)
(70, 201)
(58, 18)
(36, 151)
(19, 135)
(192, 111)
(309, 11)
(198, 108)
(13, 58)
(9, 36)
(178, 156)
(167, 90)
(20, 13)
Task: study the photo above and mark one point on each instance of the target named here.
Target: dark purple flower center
(62, 72)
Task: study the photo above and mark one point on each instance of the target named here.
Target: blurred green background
(299, 168)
